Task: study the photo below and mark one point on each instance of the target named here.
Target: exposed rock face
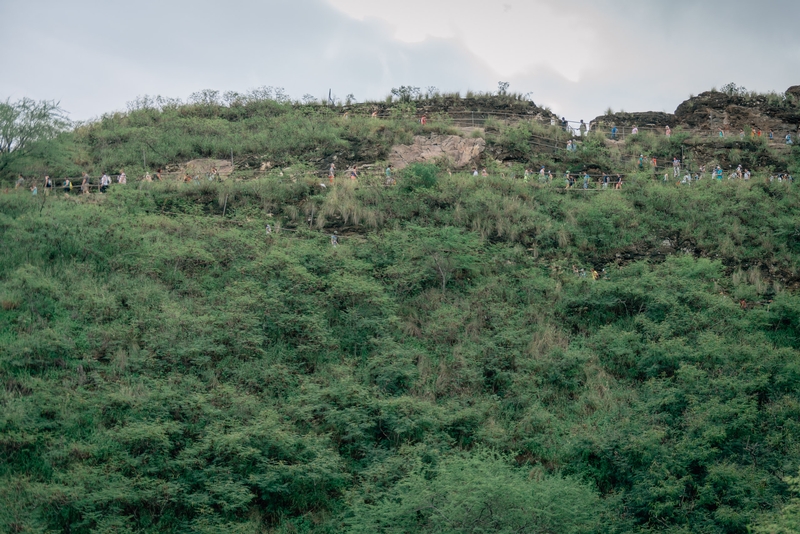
(459, 151)
(641, 119)
(713, 110)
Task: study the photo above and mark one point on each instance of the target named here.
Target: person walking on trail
(484, 172)
(423, 120)
(676, 167)
(563, 124)
(389, 179)
(739, 171)
(641, 161)
(48, 184)
(771, 135)
(354, 173)
(586, 179)
(582, 128)
(634, 130)
(105, 181)
(613, 133)
(606, 181)
(20, 182)
(721, 133)
(668, 131)
(34, 190)
(122, 178)
(331, 172)
(789, 139)
(718, 172)
(741, 133)
(268, 229)
(655, 165)
(334, 240)
(85, 184)
(67, 186)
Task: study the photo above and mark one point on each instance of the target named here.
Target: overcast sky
(578, 57)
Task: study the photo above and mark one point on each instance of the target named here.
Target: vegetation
(167, 366)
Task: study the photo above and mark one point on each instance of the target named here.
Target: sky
(577, 57)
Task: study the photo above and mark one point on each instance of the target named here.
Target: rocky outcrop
(642, 119)
(713, 110)
(458, 151)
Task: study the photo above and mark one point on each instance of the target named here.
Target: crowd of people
(86, 183)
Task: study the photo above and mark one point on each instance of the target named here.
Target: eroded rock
(458, 151)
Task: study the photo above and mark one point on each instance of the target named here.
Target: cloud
(578, 57)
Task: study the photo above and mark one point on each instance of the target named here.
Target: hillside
(451, 353)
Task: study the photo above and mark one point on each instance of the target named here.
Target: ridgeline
(265, 350)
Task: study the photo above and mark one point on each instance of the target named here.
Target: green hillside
(469, 354)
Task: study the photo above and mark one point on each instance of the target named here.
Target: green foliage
(166, 366)
(478, 493)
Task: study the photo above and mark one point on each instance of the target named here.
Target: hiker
(741, 134)
(719, 172)
(354, 173)
(739, 171)
(331, 172)
(563, 124)
(423, 120)
(20, 182)
(67, 186)
(613, 133)
(484, 172)
(595, 274)
(676, 167)
(582, 128)
(122, 178)
(374, 114)
(526, 175)
(641, 161)
(721, 133)
(34, 190)
(158, 175)
(771, 135)
(105, 181)
(668, 131)
(634, 130)
(655, 165)
(213, 175)
(334, 240)
(746, 174)
(268, 229)
(606, 181)
(759, 133)
(85, 184)
(567, 180)
(389, 179)
(474, 171)
(48, 184)
(619, 182)
(147, 177)
(789, 139)
(586, 179)
(702, 171)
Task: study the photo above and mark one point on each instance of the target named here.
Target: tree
(479, 493)
(26, 121)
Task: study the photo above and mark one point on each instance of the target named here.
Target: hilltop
(264, 350)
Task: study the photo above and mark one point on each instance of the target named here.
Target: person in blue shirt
(614, 132)
(789, 139)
